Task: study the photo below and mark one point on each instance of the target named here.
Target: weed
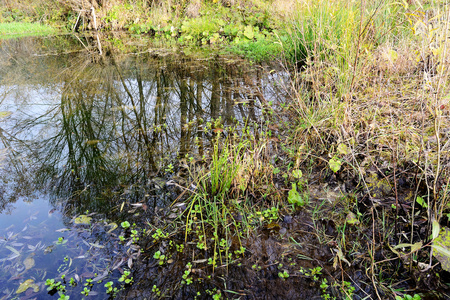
(126, 278)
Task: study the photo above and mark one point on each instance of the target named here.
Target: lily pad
(441, 246)
(29, 283)
(83, 219)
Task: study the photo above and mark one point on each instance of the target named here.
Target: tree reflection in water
(106, 126)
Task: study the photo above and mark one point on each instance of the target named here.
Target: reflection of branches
(116, 120)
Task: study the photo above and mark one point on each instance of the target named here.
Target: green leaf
(335, 164)
(342, 149)
(248, 32)
(297, 174)
(416, 246)
(294, 197)
(436, 228)
(83, 219)
(27, 284)
(421, 202)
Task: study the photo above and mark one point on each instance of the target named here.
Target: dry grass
(389, 103)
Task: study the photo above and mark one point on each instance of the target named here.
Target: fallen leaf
(12, 250)
(4, 114)
(28, 263)
(83, 220)
(351, 219)
(29, 283)
(113, 227)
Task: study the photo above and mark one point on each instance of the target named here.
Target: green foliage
(294, 197)
(262, 49)
(408, 297)
(283, 275)
(160, 257)
(126, 277)
(15, 29)
(125, 224)
(335, 164)
(201, 30)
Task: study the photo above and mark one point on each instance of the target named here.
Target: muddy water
(90, 141)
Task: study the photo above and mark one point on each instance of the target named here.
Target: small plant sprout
(85, 291)
(54, 285)
(72, 282)
(283, 275)
(135, 235)
(110, 289)
(156, 290)
(160, 257)
(159, 234)
(125, 224)
(63, 297)
(61, 241)
(126, 278)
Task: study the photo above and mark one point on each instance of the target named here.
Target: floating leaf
(83, 219)
(12, 250)
(335, 164)
(351, 219)
(28, 262)
(29, 283)
(49, 249)
(92, 142)
(4, 114)
(441, 245)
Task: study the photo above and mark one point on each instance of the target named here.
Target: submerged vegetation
(342, 191)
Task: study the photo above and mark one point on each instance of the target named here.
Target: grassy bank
(17, 29)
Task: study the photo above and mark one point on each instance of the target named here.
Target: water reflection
(90, 133)
(107, 125)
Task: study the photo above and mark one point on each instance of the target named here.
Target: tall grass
(374, 76)
(214, 206)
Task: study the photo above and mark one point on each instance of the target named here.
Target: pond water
(88, 142)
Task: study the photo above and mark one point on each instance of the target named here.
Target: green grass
(15, 29)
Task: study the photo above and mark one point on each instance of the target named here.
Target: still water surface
(89, 141)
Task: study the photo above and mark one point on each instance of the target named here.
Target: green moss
(377, 187)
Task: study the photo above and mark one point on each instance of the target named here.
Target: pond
(91, 144)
